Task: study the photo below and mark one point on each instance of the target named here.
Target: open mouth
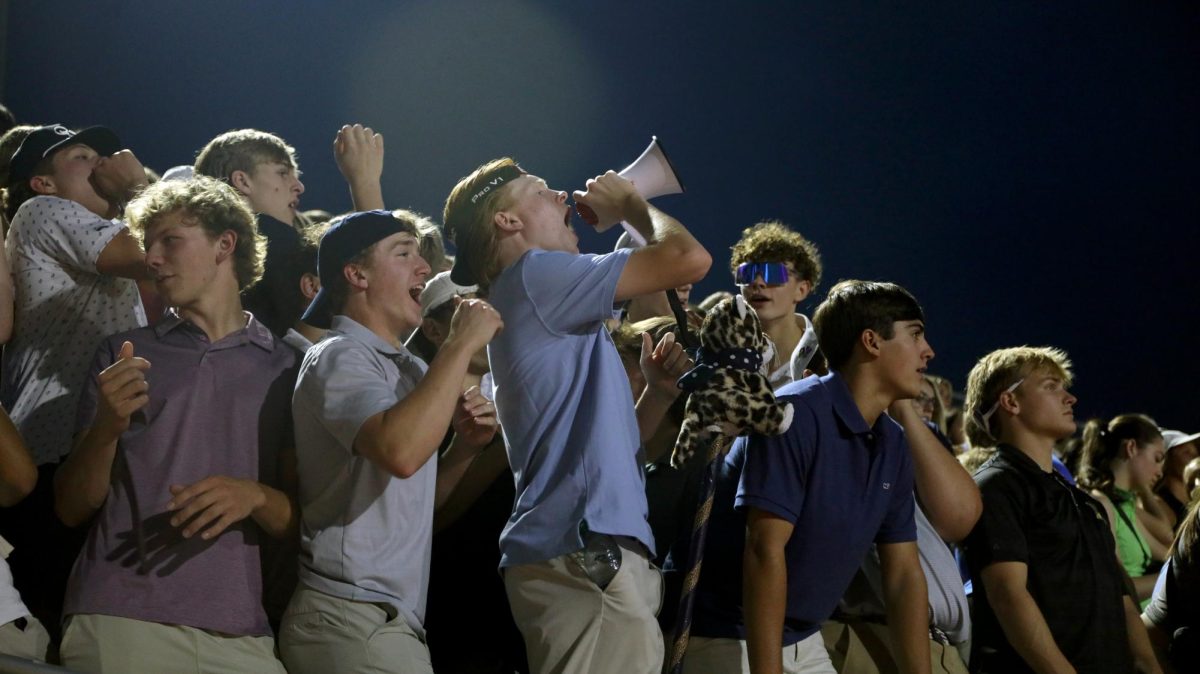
(415, 293)
(567, 218)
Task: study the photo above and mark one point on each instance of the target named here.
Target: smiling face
(775, 301)
(185, 260)
(542, 214)
(273, 188)
(904, 358)
(395, 275)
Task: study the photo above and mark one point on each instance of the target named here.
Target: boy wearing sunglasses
(1049, 592)
(776, 269)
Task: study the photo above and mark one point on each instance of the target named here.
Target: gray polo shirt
(365, 534)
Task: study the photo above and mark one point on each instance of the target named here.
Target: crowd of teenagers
(242, 437)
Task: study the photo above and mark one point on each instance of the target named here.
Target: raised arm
(948, 495)
(81, 482)
(403, 437)
(358, 152)
(672, 256)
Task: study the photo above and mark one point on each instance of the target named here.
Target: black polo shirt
(1062, 534)
(275, 300)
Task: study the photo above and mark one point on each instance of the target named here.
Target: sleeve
(70, 234)
(1158, 610)
(570, 291)
(343, 388)
(999, 534)
(90, 396)
(899, 525)
(775, 474)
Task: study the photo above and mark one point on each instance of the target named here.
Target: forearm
(7, 303)
(663, 230)
(1027, 631)
(907, 603)
(651, 409)
(409, 433)
(1144, 585)
(1156, 527)
(764, 589)
(949, 496)
(18, 474)
(81, 482)
(1144, 660)
(277, 514)
(366, 194)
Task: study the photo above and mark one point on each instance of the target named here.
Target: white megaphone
(653, 176)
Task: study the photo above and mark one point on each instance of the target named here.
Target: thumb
(126, 351)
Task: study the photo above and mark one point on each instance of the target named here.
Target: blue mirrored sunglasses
(772, 273)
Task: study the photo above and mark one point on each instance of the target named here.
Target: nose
(423, 269)
(298, 187)
(1071, 400)
(560, 196)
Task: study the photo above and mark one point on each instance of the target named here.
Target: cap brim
(99, 138)
(319, 313)
(1185, 439)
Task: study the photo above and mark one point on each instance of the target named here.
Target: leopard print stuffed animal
(729, 393)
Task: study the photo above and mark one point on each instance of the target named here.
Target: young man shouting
(563, 398)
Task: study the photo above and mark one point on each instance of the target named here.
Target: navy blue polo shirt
(843, 486)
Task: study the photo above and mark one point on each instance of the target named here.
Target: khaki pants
(571, 626)
(98, 644)
(29, 642)
(322, 634)
(729, 656)
(865, 648)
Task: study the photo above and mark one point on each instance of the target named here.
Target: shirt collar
(843, 404)
(352, 328)
(1021, 461)
(255, 332)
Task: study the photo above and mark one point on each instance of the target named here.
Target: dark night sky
(1029, 170)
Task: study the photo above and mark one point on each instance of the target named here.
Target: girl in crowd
(1173, 615)
(1122, 460)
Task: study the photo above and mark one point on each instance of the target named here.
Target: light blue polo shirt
(564, 404)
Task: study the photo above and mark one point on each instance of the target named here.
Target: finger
(665, 344)
(647, 346)
(196, 507)
(186, 492)
(379, 141)
(218, 527)
(203, 519)
(132, 405)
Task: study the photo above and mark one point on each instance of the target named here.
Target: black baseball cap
(344, 240)
(44, 141)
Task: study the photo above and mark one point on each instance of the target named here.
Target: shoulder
(336, 355)
(44, 208)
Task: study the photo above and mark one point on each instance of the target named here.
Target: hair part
(242, 150)
(773, 241)
(854, 306)
(997, 371)
(211, 205)
(1104, 442)
(469, 225)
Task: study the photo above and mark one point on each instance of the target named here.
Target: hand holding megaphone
(651, 175)
(607, 200)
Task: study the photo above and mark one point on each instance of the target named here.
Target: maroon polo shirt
(220, 408)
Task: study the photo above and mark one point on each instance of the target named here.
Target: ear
(1009, 402)
(355, 276)
(507, 221)
(43, 185)
(1129, 448)
(226, 243)
(310, 285)
(871, 342)
(240, 180)
(803, 288)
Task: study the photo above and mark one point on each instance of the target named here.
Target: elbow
(695, 263)
(958, 526)
(19, 486)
